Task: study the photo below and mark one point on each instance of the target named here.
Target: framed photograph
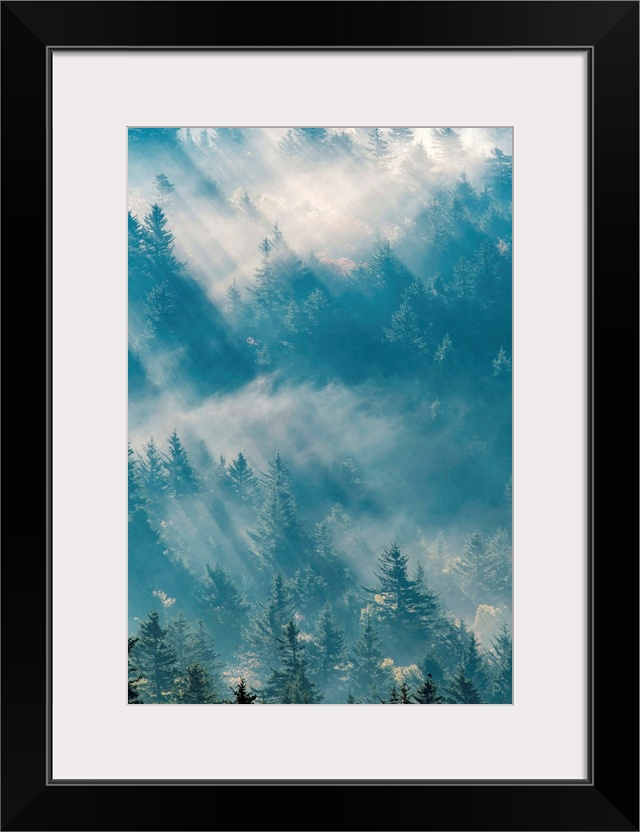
(342, 298)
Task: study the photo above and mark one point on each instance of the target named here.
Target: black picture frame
(608, 798)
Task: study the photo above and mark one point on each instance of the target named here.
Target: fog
(336, 302)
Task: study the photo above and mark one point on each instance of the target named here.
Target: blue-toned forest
(320, 416)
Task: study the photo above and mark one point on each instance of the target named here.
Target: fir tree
(290, 684)
(242, 695)
(156, 660)
(151, 472)
(427, 693)
(164, 188)
(368, 676)
(233, 302)
(195, 687)
(277, 537)
(159, 310)
(268, 626)
(474, 665)
(499, 166)
(243, 481)
(178, 637)
(133, 694)
(378, 148)
(401, 136)
(462, 691)
(182, 479)
(501, 668)
(225, 604)
(407, 611)
(248, 209)
(328, 651)
(202, 651)
(158, 241)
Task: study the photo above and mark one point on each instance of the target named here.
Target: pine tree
(401, 136)
(202, 651)
(133, 694)
(474, 665)
(310, 591)
(195, 687)
(242, 695)
(158, 241)
(152, 473)
(164, 188)
(178, 637)
(233, 304)
(399, 696)
(407, 612)
(182, 479)
(268, 626)
(159, 309)
(328, 651)
(404, 331)
(351, 699)
(243, 481)
(290, 684)
(501, 667)
(461, 691)
(449, 149)
(499, 166)
(248, 209)
(133, 485)
(368, 676)
(225, 604)
(156, 660)
(427, 693)
(378, 148)
(278, 539)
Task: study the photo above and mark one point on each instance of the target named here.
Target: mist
(320, 411)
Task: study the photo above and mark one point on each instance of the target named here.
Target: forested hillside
(320, 416)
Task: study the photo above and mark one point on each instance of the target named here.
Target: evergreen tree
(401, 136)
(461, 691)
(290, 684)
(278, 539)
(133, 484)
(427, 693)
(501, 667)
(182, 479)
(368, 676)
(156, 660)
(310, 591)
(202, 650)
(195, 687)
(449, 149)
(164, 188)
(152, 473)
(404, 331)
(133, 694)
(233, 302)
(328, 651)
(178, 637)
(242, 695)
(416, 168)
(268, 626)
(475, 666)
(243, 481)
(399, 696)
(499, 166)
(159, 310)
(248, 209)
(158, 241)
(408, 613)
(225, 604)
(378, 148)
